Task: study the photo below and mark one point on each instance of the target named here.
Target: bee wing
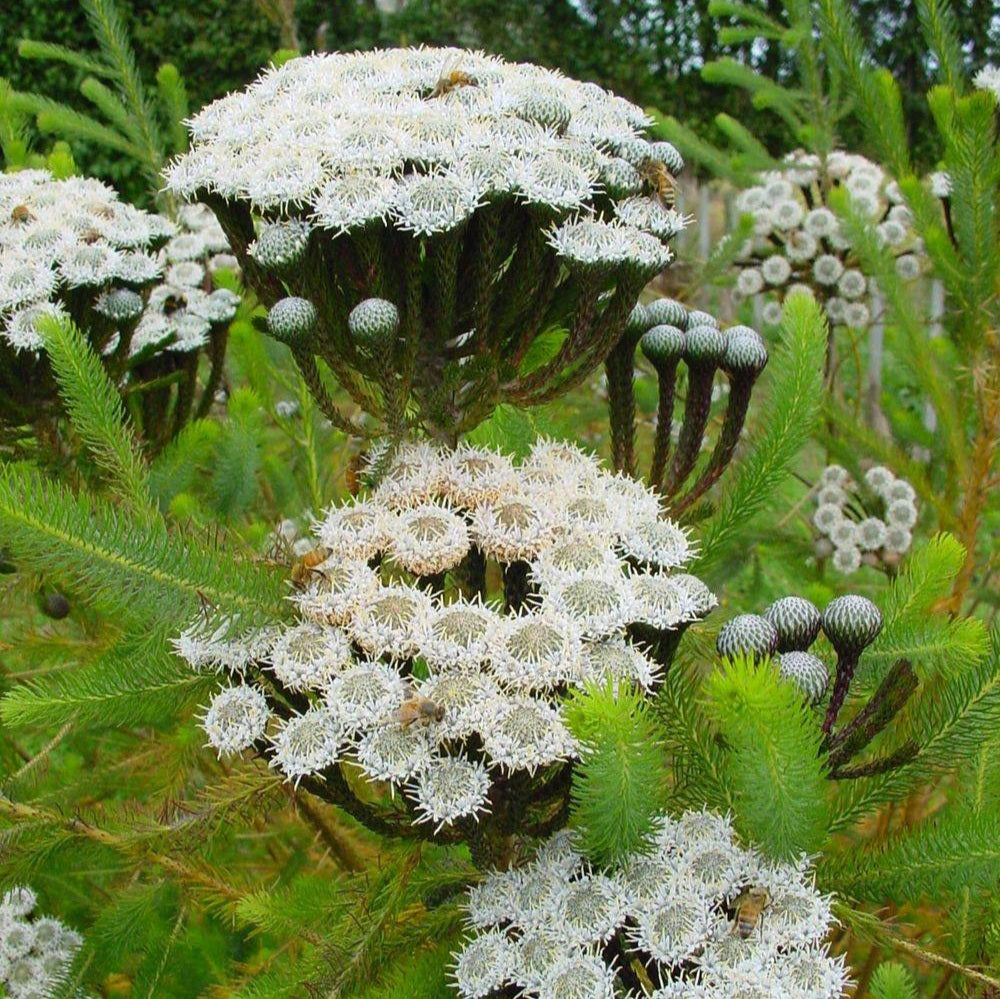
(451, 64)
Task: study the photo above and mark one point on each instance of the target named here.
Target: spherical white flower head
(801, 246)
(353, 201)
(526, 734)
(598, 605)
(749, 282)
(988, 79)
(458, 635)
(852, 284)
(901, 513)
(308, 655)
(450, 788)
(831, 495)
(307, 743)
(844, 534)
(827, 518)
(675, 927)
(357, 530)
(365, 694)
(212, 644)
(337, 588)
(590, 511)
(578, 976)
(428, 539)
(701, 598)
(651, 216)
(563, 458)
(899, 489)
(416, 473)
(908, 266)
(549, 179)
(787, 214)
(593, 243)
(577, 554)
(614, 661)
(813, 972)
(643, 503)
(590, 909)
(514, 529)
(660, 543)
(827, 269)
(536, 953)
(484, 965)
(477, 475)
(771, 314)
(879, 478)
(776, 270)
(394, 752)
(188, 273)
(21, 331)
(491, 901)
(19, 901)
(236, 718)
(871, 534)
(536, 651)
(660, 602)
(120, 305)
(897, 539)
(468, 699)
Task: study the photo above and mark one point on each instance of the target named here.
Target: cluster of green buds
(675, 339)
(784, 635)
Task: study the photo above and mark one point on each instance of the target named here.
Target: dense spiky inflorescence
(399, 666)
(139, 285)
(671, 336)
(670, 922)
(869, 524)
(798, 241)
(489, 204)
(35, 953)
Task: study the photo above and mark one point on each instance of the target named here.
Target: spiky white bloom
(659, 601)
(897, 539)
(428, 539)
(660, 543)
(536, 651)
(236, 719)
(899, 489)
(590, 242)
(988, 79)
(846, 559)
(576, 554)
(901, 513)
(394, 752)
(450, 788)
(457, 635)
(307, 743)
(675, 902)
(844, 533)
(526, 734)
(776, 269)
(307, 656)
(469, 700)
(598, 605)
(356, 530)
(484, 965)
(336, 589)
(749, 281)
(772, 313)
(614, 660)
(835, 475)
(514, 529)
(879, 478)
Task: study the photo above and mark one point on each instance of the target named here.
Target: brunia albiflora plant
(484, 698)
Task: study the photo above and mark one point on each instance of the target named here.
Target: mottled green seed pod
(667, 312)
(807, 672)
(281, 245)
(666, 153)
(120, 305)
(374, 323)
(638, 321)
(851, 623)
(745, 351)
(292, 319)
(544, 109)
(797, 622)
(747, 634)
(620, 178)
(697, 318)
(705, 344)
(663, 344)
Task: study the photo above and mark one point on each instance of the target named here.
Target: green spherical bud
(807, 672)
(745, 350)
(705, 345)
(120, 305)
(281, 245)
(667, 312)
(633, 150)
(663, 344)
(851, 623)
(666, 153)
(699, 318)
(374, 323)
(546, 110)
(620, 178)
(797, 622)
(638, 321)
(292, 319)
(749, 635)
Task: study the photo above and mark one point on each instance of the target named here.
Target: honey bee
(748, 907)
(451, 78)
(418, 710)
(661, 180)
(304, 567)
(21, 213)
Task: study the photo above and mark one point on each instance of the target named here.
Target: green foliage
(892, 981)
(95, 410)
(794, 393)
(620, 785)
(777, 774)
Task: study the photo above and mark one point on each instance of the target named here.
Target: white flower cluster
(431, 689)
(180, 312)
(988, 78)
(420, 138)
(60, 235)
(798, 243)
(851, 533)
(555, 929)
(35, 954)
